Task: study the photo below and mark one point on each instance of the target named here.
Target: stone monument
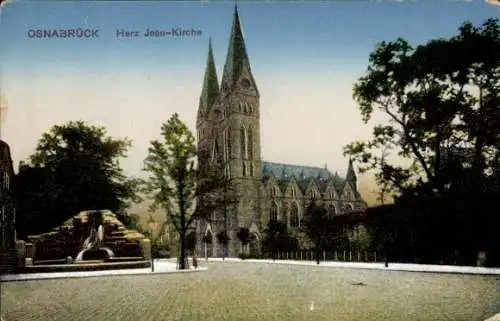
(88, 236)
(93, 248)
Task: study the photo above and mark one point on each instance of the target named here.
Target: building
(7, 210)
(228, 132)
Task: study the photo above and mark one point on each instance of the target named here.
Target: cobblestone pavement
(256, 291)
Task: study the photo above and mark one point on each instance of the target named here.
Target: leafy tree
(243, 235)
(75, 167)
(276, 238)
(318, 227)
(223, 240)
(207, 238)
(441, 99)
(175, 184)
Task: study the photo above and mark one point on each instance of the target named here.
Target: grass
(257, 291)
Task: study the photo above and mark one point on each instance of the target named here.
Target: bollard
(359, 257)
(335, 256)
(344, 256)
(312, 256)
(350, 256)
(324, 256)
(375, 258)
(287, 255)
(301, 255)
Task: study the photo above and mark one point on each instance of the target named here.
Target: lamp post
(152, 228)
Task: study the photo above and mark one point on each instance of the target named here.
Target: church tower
(228, 127)
(204, 120)
(240, 129)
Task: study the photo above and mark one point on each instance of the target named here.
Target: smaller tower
(208, 98)
(351, 176)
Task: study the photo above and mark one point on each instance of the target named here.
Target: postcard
(142, 138)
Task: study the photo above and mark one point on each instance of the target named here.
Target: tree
(276, 238)
(75, 167)
(172, 181)
(318, 227)
(441, 99)
(223, 240)
(175, 184)
(243, 235)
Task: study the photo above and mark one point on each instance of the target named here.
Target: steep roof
(351, 175)
(304, 175)
(210, 90)
(237, 57)
(300, 172)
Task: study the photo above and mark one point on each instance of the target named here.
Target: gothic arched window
(294, 215)
(273, 212)
(249, 143)
(243, 142)
(241, 107)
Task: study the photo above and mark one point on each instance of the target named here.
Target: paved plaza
(256, 291)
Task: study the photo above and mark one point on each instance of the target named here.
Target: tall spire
(210, 91)
(237, 57)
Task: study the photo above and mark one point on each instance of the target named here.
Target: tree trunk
(183, 224)
(182, 263)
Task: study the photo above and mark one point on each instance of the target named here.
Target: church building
(228, 132)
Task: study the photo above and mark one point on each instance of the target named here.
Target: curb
(54, 276)
(396, 267)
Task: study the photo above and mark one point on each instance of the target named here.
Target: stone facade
(228, 133)
(7, 210)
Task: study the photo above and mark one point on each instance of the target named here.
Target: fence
(342, 256)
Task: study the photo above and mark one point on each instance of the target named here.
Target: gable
(312, 189)
(331, 191)
(246, 83)
(348, 192)
(293, 187)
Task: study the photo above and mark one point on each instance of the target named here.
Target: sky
(305, 57)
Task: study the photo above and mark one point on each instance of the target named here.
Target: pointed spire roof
(210, 90)
(351, 175)
(237, 57)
